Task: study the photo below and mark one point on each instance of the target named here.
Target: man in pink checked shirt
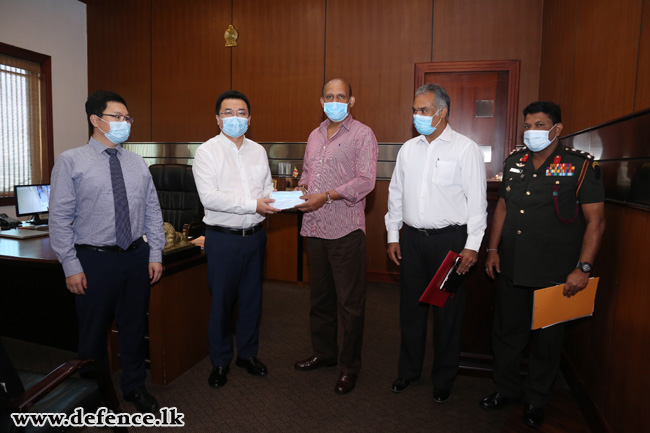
(339, 171)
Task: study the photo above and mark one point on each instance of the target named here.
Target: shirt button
(527, 192)
(518, 232)
(535, 175)
(522, 211)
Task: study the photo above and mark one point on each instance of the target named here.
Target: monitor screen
(32, 199)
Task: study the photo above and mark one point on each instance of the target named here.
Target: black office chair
(179, 199)
(56, 392)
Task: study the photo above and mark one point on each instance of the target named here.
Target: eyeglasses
(120, 118)
(229, 113)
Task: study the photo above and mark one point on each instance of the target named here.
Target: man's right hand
(493, 264)
(77, 283)
(264, 207)
(394, 252)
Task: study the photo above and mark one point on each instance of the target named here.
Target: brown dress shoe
(345, 383)
(313, 363)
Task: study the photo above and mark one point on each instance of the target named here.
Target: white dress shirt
(230, 180)
(439, 184)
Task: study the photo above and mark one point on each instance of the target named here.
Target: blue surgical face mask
(119, 132)
(335, 111)
(423, 123)
(234, 126)
(537, 140)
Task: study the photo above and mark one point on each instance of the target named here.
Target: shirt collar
(445, 136)
(346, 123)
(98, 148)
(228, 141)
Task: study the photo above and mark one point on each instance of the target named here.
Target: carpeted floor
(288, 400)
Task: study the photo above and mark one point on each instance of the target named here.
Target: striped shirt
(81, 203)
(346, 163)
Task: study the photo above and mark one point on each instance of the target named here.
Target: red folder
(441, 284)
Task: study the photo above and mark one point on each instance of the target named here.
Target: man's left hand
(469, 258)
(576, 281)
(312, 202)
(155, 271)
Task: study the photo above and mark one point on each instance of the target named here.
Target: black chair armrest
(26, 400)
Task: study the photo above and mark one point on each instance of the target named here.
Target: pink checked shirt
(347, 163)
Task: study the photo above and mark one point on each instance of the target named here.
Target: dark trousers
(119, 287)
(338, 282)
(421, 257)
(511, 333)
(235, 267)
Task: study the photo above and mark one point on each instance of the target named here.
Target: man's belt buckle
(425, 232)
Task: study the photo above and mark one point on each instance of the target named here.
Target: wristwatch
(329, 199)
(584, 267)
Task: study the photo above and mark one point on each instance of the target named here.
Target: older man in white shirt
(233, 179)
(438, 193)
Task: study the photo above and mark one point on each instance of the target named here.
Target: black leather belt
(238, 232)
(431, 232)
(112, 248)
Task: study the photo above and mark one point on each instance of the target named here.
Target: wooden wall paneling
(279, 65)
(588, 342)
(281, 260)
(607, 42)
(374, 45)
(492, 30)
(628, 372)
(119, 54)
(380, 267)
(558, 52)
(190, 67)
(642, 96)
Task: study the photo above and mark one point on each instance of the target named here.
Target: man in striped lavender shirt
(339, 171)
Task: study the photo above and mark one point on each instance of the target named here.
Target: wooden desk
(36, 306)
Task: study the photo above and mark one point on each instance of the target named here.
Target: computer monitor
(32, 200)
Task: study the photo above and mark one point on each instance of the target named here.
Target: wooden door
(476, 111)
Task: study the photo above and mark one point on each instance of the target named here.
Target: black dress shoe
(533, 416)
(313, 363)
(400, 385)
(253, 366)
(345, 383)
(218, 376)
(142, 400)
(441, 395)
(496, 400)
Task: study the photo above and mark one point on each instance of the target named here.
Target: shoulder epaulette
(517, 151)
(581, 153)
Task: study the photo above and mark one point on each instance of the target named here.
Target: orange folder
(551, 306)
(441, 284)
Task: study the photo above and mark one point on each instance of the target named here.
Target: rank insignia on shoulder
(580, 153)
(516, 151)
(561, 170)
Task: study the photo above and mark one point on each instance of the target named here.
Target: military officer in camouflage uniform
(547, 228)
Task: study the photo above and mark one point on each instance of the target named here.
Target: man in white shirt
(233, 179)
(438, 192)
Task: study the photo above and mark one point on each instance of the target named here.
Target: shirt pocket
(444, 172)
(258, 173)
